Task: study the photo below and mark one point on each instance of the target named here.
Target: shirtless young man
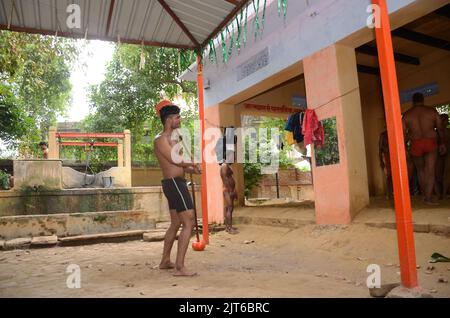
(229, 194)
(175, 189)
(423, 126)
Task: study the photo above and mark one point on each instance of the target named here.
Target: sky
(90, 69)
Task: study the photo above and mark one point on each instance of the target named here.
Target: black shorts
(177, 193)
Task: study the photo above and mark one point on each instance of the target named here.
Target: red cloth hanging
(312, 129)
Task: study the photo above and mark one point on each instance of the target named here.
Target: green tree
(34, 86)
(127, 96)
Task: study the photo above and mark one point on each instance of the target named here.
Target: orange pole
(201, 111)
(402, 199)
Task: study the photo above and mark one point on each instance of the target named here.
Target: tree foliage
(34, 86)
(127, 96)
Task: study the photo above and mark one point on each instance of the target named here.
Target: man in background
(422, 125)
(229, 193)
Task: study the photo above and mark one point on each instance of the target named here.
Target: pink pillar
(332, 90)
(216, 116)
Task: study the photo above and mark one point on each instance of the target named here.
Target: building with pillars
(321, 50)
(325, 51)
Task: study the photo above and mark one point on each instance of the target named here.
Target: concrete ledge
(73, 224)
(44, 241)
(114, 237)
(156, 235)
(439, 229)
(289, 223)
(17, 243)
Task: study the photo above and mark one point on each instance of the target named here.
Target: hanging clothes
(290, 138)
(312, 129)
(294, 125)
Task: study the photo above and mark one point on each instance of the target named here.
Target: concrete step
(156, 235)
(112, 237)
(74, 224)
(439, 229)
(271, 221)
(44, 241)
(17, 243)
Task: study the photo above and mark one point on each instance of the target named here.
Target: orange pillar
(201, 111)
(402, 200)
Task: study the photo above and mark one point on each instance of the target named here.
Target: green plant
(4, 180)
(329, 153)
(304, 169)
(252, 176)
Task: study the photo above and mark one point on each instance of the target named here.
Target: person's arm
(380, 150)
(195, 169)
(224, 176)
(405, 129)
(441, 133)
(163, 146)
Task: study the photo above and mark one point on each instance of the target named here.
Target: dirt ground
(311, 261)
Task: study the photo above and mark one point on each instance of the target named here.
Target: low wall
(73, 224)
(78, 211)
(29, 202)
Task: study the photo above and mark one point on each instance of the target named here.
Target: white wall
(307, 29)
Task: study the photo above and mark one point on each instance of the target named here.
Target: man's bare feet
(166, 265)
(184, 272)
(232, 230)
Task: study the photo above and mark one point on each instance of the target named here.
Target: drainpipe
(201, 111)
(402, 198)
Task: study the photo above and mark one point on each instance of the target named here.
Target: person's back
(423, 127)
(421, 122)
